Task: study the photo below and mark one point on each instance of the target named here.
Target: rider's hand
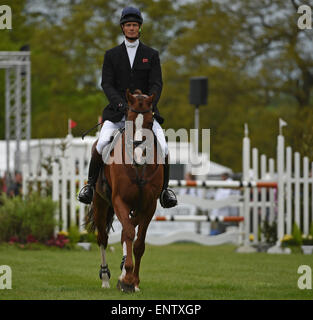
(122, 106)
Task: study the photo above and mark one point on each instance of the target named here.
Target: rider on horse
(131, 65)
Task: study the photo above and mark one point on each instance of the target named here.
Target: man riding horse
(131, 65)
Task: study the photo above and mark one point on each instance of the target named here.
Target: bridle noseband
(138, 111)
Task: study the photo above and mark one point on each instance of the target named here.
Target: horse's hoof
(127, 288)
(105, 284)
(105, 281)
(137, 289)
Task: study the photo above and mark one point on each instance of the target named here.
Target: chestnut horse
(130, 190)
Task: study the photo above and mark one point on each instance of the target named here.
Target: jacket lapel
(125, 56)
(138, 55)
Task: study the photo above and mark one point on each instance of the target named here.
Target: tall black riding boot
(168, 197)
(86, 193)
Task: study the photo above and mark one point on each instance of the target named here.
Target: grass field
(177, 271)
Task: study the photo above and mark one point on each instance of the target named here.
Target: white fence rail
(273, 191)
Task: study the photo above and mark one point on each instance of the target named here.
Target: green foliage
(88, 237)
(33, 216)
(296, 234)
(240, 45)
(270, 232)
(73, 234)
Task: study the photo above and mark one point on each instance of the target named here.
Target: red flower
(60, 241)
(13, 240)
(31, 239)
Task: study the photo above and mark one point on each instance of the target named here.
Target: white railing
(259, 201)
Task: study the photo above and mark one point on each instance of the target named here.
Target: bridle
(138, 111)
(139, 177)
(128, 108)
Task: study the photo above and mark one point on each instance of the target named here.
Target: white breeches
(108, 128)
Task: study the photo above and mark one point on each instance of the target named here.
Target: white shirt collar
(131, 44)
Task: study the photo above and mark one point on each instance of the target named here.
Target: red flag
(73, 124)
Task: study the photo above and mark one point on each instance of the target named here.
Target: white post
(69, 129)
(64, 195)
(246, 169)
(241, 225)
(43, 185)
(81, 179)
(263, 193)
(71, 177)
(305, 196)
(255, 166)
(297, 189)
(55, 193)
(280, 173)
(271, 164)
(25, 177)
(288, 190)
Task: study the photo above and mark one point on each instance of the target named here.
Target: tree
(258, 62)
(280, 52)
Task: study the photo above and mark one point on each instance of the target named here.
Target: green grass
(177, 271)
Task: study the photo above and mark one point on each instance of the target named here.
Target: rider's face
(131, 29)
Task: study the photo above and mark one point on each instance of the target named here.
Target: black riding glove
(122, 106)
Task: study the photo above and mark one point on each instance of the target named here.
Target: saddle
(106, 154)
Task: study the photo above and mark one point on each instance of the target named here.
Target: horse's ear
(130, 98)
(151, 98)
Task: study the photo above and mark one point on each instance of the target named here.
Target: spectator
(223, 193)
(15, 187)
(189, 190)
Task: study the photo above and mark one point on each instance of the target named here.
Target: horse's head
(139, 111)
(140, 105)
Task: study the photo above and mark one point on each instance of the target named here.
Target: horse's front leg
(139, 249)
(126, 281)
(139, 245)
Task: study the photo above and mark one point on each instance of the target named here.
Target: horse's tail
(90, 223)
(110, 218)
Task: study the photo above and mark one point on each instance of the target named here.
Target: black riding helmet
(131, 14)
